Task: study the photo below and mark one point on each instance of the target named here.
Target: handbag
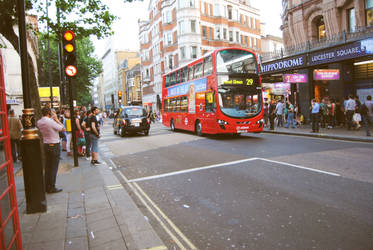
(356, 117)
(81, 139)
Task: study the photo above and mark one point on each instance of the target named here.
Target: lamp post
(30, 141)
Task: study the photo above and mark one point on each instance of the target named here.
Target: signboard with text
(295, 78)
(326, 74)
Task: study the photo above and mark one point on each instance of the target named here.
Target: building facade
(125, 67)
(113, 77)
(134, 85)
(12, 65)
(179, 31)
(328, 51)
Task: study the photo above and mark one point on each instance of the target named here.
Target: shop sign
(295, 78)
(284, 64)
(326, 74)
(352, 50)
(280, 88)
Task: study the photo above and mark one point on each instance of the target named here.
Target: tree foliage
(85, 17)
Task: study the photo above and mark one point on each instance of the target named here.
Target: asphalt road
(256, 191)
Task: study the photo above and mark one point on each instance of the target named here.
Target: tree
(89, 67)
(85, 17)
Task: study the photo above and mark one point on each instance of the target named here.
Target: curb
(321, 135)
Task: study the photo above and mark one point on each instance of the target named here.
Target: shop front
(331, 73)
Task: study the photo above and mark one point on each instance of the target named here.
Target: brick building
(179, 31)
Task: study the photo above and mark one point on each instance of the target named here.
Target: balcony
(309, 46)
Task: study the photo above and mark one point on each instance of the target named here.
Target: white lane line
(226, 164)
(136, 191)
(300, 167)
(191, 170)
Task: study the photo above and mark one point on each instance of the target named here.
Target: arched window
(320, 28)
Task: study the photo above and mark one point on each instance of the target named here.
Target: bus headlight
(260, 121)
(222, 122)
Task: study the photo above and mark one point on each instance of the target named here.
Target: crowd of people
(329, 113)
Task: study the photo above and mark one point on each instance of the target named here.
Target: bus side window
(208, 66)
(198, 70)
(178, 80)
(184, 104)
(190, 73)
(167, 81)
(173, 79)
(184, 74)
(210, 101)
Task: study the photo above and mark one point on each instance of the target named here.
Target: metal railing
(329, 41)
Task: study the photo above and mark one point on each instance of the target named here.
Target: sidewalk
(93, 211)
(333, 133)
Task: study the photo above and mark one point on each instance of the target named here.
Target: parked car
(131, 119)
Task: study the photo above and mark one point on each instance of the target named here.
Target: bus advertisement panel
(218, 93)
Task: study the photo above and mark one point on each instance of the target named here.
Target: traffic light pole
(73, 123)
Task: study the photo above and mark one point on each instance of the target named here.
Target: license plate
(241, 130)
(137, 124)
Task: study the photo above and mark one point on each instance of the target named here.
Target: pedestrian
(87, 128)
(291, 111)
(95, 135)
(78, 133)
(265, 114)
(349, 111)
(315, 109)
(340, 117)
(49, 126)
(365, 111)
(61, 118)
(67, 125)
(369, 104)
(272, 114)
(356, 118)
(331, 113)
(323, 112)
(15, 128)
(279, 113)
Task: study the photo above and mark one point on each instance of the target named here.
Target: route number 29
(249, 81)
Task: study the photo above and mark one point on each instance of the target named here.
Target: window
(194, 52)
(204, 33)
(167, 80)
(208, 66)
(210, 101)
(183, 104)
(184, 74)
(198, 70)
(181, 4)
(169, 38)
(193, 26)
(190, 76)
(181, 27)
(211, 34)
(231, 36)
(202, 7)
(217, 10)
(225, 34)
(182, 52)
(320, 27)
(191, 3)
(173, 79)
(351, 20)
(170, 61)
(169, 16)
(369, 12)
(237, 37)
(229, 12)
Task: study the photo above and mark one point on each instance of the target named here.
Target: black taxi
(131, 119)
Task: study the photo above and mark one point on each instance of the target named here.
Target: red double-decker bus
(218, 93)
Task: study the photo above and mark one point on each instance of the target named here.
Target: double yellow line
(162, 218)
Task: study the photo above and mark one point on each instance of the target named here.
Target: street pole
(73, 123)
(30, 140)
(62, 83)
(49, 61)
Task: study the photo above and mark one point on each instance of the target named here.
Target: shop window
(369, 12)
(351, 20)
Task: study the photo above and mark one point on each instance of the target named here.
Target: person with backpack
(365, 110)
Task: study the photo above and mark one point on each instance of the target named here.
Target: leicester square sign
(348, 51)
(295, 78)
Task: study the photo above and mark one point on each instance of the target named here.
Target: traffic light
(119, 96)
(69, 53)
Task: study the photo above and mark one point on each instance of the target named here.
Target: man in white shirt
(349, 111)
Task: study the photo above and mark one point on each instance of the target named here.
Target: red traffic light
(68, 35)
(71, 70)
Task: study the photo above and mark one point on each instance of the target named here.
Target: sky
(126, 27)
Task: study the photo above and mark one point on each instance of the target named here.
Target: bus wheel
(172, 125)
(198, 128)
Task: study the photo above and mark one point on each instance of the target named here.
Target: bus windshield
(236, 61)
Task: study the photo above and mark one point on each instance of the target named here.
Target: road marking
(190, 170)
(172, 225)
(300, 167)
(226, 164)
